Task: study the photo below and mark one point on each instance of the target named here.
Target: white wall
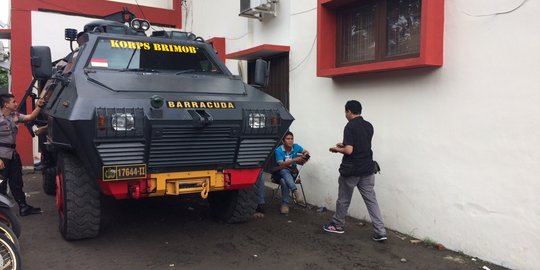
(458, 145)
(48, 30)
(208, 19)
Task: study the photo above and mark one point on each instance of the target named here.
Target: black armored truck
(131, 116)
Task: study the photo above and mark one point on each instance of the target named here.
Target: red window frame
(431, 41)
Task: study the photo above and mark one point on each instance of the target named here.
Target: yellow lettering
(164, 47)
(201, 104)
(176, 48)
(132, 45)
(146, 46)
(123, 44)
(114, 44)
(157, 47)
(192, 49)
(185, 49)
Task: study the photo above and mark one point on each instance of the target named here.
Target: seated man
(287, 156)
(259, 212)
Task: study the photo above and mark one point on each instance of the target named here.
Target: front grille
(186, 146)
(253, 152)
(121, 153)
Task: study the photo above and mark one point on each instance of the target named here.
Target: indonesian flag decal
(94, 62)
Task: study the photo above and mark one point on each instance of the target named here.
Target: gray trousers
(365, 185)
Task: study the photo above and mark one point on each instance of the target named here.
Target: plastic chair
(276, 179)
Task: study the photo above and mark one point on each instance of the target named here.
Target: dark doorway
(278, 85)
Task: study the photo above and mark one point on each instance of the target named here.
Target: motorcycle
(9, 255)
(10, 230)
(7, 216)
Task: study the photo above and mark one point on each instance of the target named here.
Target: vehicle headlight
(136, 24)
(257, 120)
(145, 25)
(123, 121)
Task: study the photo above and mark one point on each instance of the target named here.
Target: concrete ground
(179, 233)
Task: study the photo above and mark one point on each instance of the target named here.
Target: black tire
(8, 233)
(11, 259)
(77, 200)
(49, 180)
(9, 218)
(233, 206)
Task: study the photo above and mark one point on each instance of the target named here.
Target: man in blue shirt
(287, 156)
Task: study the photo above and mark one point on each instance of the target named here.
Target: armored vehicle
(132, 116)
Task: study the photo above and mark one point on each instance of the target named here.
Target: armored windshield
(126, 55)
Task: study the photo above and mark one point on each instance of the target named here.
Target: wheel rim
(7, 234)
(60, 193)
(7, 256)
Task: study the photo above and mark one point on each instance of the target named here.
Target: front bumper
(180, 183)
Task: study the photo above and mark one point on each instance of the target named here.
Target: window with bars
(377, 31)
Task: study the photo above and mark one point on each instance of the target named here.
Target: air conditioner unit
(257, 8)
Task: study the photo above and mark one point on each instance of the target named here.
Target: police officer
(10, 162)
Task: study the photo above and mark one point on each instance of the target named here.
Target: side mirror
(262, 73)
(40, 59)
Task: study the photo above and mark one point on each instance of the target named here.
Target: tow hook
(204, 191)
(134, 191)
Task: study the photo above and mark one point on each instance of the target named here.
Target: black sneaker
(333, 228)
(26, 209)
(379, 238)
(40, 166)
(260, 208)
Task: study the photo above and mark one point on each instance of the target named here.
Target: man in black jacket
(356, 170)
